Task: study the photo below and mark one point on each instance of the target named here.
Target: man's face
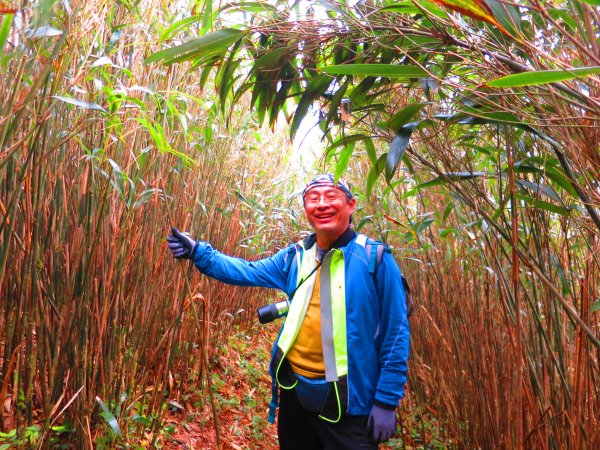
(328, 210)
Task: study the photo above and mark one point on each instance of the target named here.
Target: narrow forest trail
(241, 394)
(242, 391)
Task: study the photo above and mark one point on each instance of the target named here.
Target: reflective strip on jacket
(376, 326)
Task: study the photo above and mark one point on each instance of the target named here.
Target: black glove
(182, 246)
(382, 422)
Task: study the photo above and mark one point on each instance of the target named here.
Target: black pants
(299, 429)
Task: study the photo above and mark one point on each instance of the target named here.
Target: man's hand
(382, 422)
(181, 244)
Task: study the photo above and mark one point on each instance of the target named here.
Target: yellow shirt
(306, 354)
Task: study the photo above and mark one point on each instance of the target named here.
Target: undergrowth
(242, 390)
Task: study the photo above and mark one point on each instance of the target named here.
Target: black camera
(268, 313)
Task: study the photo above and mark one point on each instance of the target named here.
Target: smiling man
(339, 363)
(328, 208)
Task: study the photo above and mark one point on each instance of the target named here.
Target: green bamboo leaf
(450, 60)
(374, 173)
(225, 77)
(397, 149)
(205, 73)
(109, 417)
(135, 101)
(551, 207)
(144, 196)
(418, 42)
(402, 7)
(119, 178)
(422, 226)
(560, 179)
(336, 102)
(359, 93)
(270, 60)
(251, 7)
(174, 27)
(447, 211)
(541, 204)
(408, 7)
(80, 103)
(548, 170)
(157, 133)
(429, 86)
(507, 15)
(446, 231)
(259, 100)
(363, 222)
(540, 188)
(561, 274)
(404, 116)
(477, 9)
(210, 44)
(371, 152)
(371, 179)
(476, 116)
(596, 306)
(592, 2)
(342, 163)
(433, 9)
(4, 29)
(451, 176)
(483, 117)
(377, 70)
(521, 167)
(207, 20)
(145, 421)
(435, 182)
(561, 15)
(346, 140)
(542, 77)
(313, 91)
(132, 191)
(461, 176)
(266, 100)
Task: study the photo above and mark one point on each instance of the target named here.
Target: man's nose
(322, 201)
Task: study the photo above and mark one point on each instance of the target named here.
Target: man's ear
(352, 205)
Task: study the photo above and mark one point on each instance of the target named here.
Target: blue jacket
(376, 319)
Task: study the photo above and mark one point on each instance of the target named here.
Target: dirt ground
(242, 391)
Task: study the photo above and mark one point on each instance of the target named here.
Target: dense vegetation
(470, 131)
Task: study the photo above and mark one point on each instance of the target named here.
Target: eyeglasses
(314, 199)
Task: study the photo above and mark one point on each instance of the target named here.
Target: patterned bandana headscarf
(327, 179)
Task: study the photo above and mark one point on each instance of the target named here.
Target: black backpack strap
(375, 253)
(405, 285)
(410, 303)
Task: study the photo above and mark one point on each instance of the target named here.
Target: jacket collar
(342, 241)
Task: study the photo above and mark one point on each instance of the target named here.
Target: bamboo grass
(95, 311)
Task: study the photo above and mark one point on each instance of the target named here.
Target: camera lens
(269, 313)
